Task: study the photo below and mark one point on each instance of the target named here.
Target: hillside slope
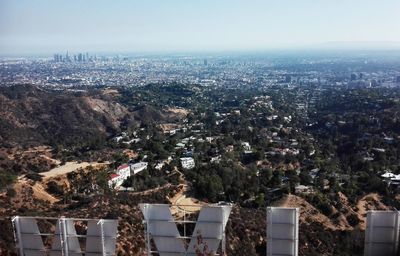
(32, 116)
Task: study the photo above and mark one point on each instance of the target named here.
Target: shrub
(54, 188)
(34, 176)
(353, 219)
(11, 192)
(6, 179)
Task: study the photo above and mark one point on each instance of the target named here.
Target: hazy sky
(47, 26)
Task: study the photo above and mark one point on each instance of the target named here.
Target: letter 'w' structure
(208, 234)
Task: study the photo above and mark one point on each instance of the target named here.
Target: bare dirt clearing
(69, 167)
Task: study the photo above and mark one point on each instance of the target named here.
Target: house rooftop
(122, 167)
(113, 176)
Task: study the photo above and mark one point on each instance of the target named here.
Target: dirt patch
(130, 153)
(309, 213)
(178, 111)
(69, 167)
(112, 92)
(169, 127)
(25, 189)
(182, 203)
(114, 112)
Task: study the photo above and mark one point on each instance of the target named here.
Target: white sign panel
(382, 233)
(161, 227)
(101, 237)
(210, 226)
(29, 242)
(282, 231)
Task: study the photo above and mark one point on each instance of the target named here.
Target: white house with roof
(246, 146)
(125, 171)
(138, 167)
(302, 189)
(216, 159)
(122, 173)
(159, 166)
(115, 180)
(388, 175)
(187, 162)
(391, 179)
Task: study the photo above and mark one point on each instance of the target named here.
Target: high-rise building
(58, 57)
(353, 77)
(398, 79)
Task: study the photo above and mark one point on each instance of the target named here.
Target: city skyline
(45, 27)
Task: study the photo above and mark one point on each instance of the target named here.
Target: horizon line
(331, 46)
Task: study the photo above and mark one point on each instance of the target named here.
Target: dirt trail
(151, 191)
(183, 204)
(181, 201)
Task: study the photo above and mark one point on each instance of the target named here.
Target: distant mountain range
(360, 45)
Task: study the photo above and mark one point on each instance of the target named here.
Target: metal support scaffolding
(223, 241)
(17, 234)
(64, 235)
(103, 246)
